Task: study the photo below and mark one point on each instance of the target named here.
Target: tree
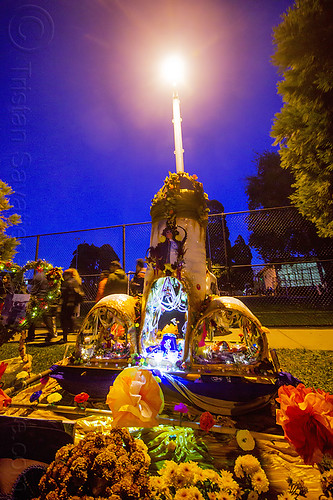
(304, 126)
(218, 246)
(241, 256)
(7, 243)
(90, 259)
(282, 235)
(276, 235)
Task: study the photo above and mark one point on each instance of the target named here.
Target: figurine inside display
(165, 324)
(169, 252)
(226, 337)
(105, 333)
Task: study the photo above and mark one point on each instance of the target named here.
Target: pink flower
(44, 380)
(306, 416)
(181, 408)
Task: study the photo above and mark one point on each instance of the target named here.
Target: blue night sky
(87, 137)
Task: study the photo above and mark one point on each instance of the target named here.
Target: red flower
(207, 421)
(81, 398)
(3, 367)
(306, 416)
(4, 400)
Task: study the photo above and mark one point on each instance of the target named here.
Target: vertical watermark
(30, 29)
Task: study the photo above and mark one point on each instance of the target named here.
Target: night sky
(87, 138)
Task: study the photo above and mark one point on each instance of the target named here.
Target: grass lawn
(313, 368)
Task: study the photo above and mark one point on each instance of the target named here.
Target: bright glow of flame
(173, 70)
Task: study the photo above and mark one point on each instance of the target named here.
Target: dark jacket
(116, 283)
(40, 286)
(137, 282)
(71, 292)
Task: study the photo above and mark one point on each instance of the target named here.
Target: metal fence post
(37, 247)
(124, 246)
(226, 256)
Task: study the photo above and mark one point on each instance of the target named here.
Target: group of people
(71, 295)
(115, 280)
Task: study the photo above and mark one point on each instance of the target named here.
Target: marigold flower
(207, 421)
(81, 398)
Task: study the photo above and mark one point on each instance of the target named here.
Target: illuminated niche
(164, 328)
(103, 337)
(226, 337)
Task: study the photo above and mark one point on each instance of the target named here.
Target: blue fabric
(96, 382)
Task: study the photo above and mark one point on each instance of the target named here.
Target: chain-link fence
(272, 259)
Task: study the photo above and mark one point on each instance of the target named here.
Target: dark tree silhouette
(241, 256)
(90, 259)
(218, 246)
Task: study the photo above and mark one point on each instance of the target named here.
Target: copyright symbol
(31, 28)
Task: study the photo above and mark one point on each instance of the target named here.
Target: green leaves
(7, 243)
(303, 127)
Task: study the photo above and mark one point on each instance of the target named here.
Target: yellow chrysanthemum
(157, 484)
(227, 482)
(183, 494)
(247, 464)
(286, 496)
(179, 482)
(211, 476)
(259, 481)
(223, 495)
(194, 494)
(187, 471)
(169, 471)
(253, 495)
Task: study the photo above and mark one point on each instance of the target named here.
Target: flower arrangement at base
(113, 466)
(188, 481)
